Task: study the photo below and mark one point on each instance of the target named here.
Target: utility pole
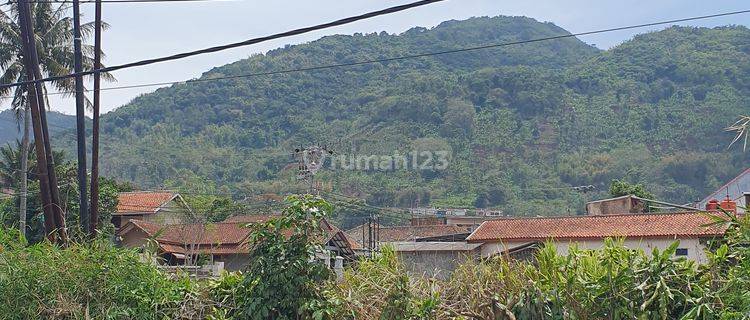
(54, 219)
(51, 175)
(369, 235)
(95, 124)
(309, 161)
(80, 118)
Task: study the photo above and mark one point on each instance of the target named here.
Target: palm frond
(740, 127)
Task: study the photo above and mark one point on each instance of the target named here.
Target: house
(432, 250)
(160, 207)
(388, 234)
(176, 244)
(225, 242)
(639, 230)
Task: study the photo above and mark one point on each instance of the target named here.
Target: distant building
(618, 205)
(640, 230)
(461, 221)
(734, 189)
(433, 250)
(438, 212)
(388, 234)
(160, 207)
(224, 242)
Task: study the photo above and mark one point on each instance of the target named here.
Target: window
(681, 252)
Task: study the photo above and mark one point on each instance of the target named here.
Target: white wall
(695, 248)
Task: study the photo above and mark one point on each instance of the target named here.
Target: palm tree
(11, 164)
(54, 40)
(741, 127)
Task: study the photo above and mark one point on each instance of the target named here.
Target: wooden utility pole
(51, 175)
(80, 118)
(54, 220)
(95, 124)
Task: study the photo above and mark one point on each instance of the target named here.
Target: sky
(146, 30)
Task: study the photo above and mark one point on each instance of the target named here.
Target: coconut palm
(54, 41)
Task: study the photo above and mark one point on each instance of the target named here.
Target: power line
(404, 57)
(233, 45)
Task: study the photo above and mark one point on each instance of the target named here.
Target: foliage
(105, 283)
(108, 192)
(284, 275)
(620, 188)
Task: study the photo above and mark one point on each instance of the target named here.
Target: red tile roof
(142, 202)
(407, 233)
(213, 233)
(327, 227)
(217, 238)
(655, 225)
(251, 218)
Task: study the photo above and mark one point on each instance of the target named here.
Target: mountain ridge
(527, 117)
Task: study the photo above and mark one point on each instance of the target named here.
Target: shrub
(96, 281)
(284, 278)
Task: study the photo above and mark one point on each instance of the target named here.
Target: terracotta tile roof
(327, 227)
(208, 234)
(655, 225)
(251, 218)
(142, 202)
(218, 238)
(407, 233)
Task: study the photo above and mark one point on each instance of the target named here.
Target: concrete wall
(233, 262)
(170, 213)
(136, 238)
(437, 264)
(696, 250)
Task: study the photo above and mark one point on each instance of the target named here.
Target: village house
(389, 234)
(646, 231)
(159, 207)
(430, 249)
(224, 243)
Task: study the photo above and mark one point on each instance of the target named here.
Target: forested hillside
(10, 128)
(522, 123)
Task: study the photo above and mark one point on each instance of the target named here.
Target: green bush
(92, 281)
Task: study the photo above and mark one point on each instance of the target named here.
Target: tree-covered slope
(522, 122)
(11, 129)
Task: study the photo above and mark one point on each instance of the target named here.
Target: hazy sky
(146, 30)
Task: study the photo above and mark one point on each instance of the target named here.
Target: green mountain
(10, 129)
(522, 124)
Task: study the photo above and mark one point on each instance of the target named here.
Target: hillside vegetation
(521, 122)
(11, 129)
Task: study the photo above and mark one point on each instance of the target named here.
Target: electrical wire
(232, 45)
(365, 62)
